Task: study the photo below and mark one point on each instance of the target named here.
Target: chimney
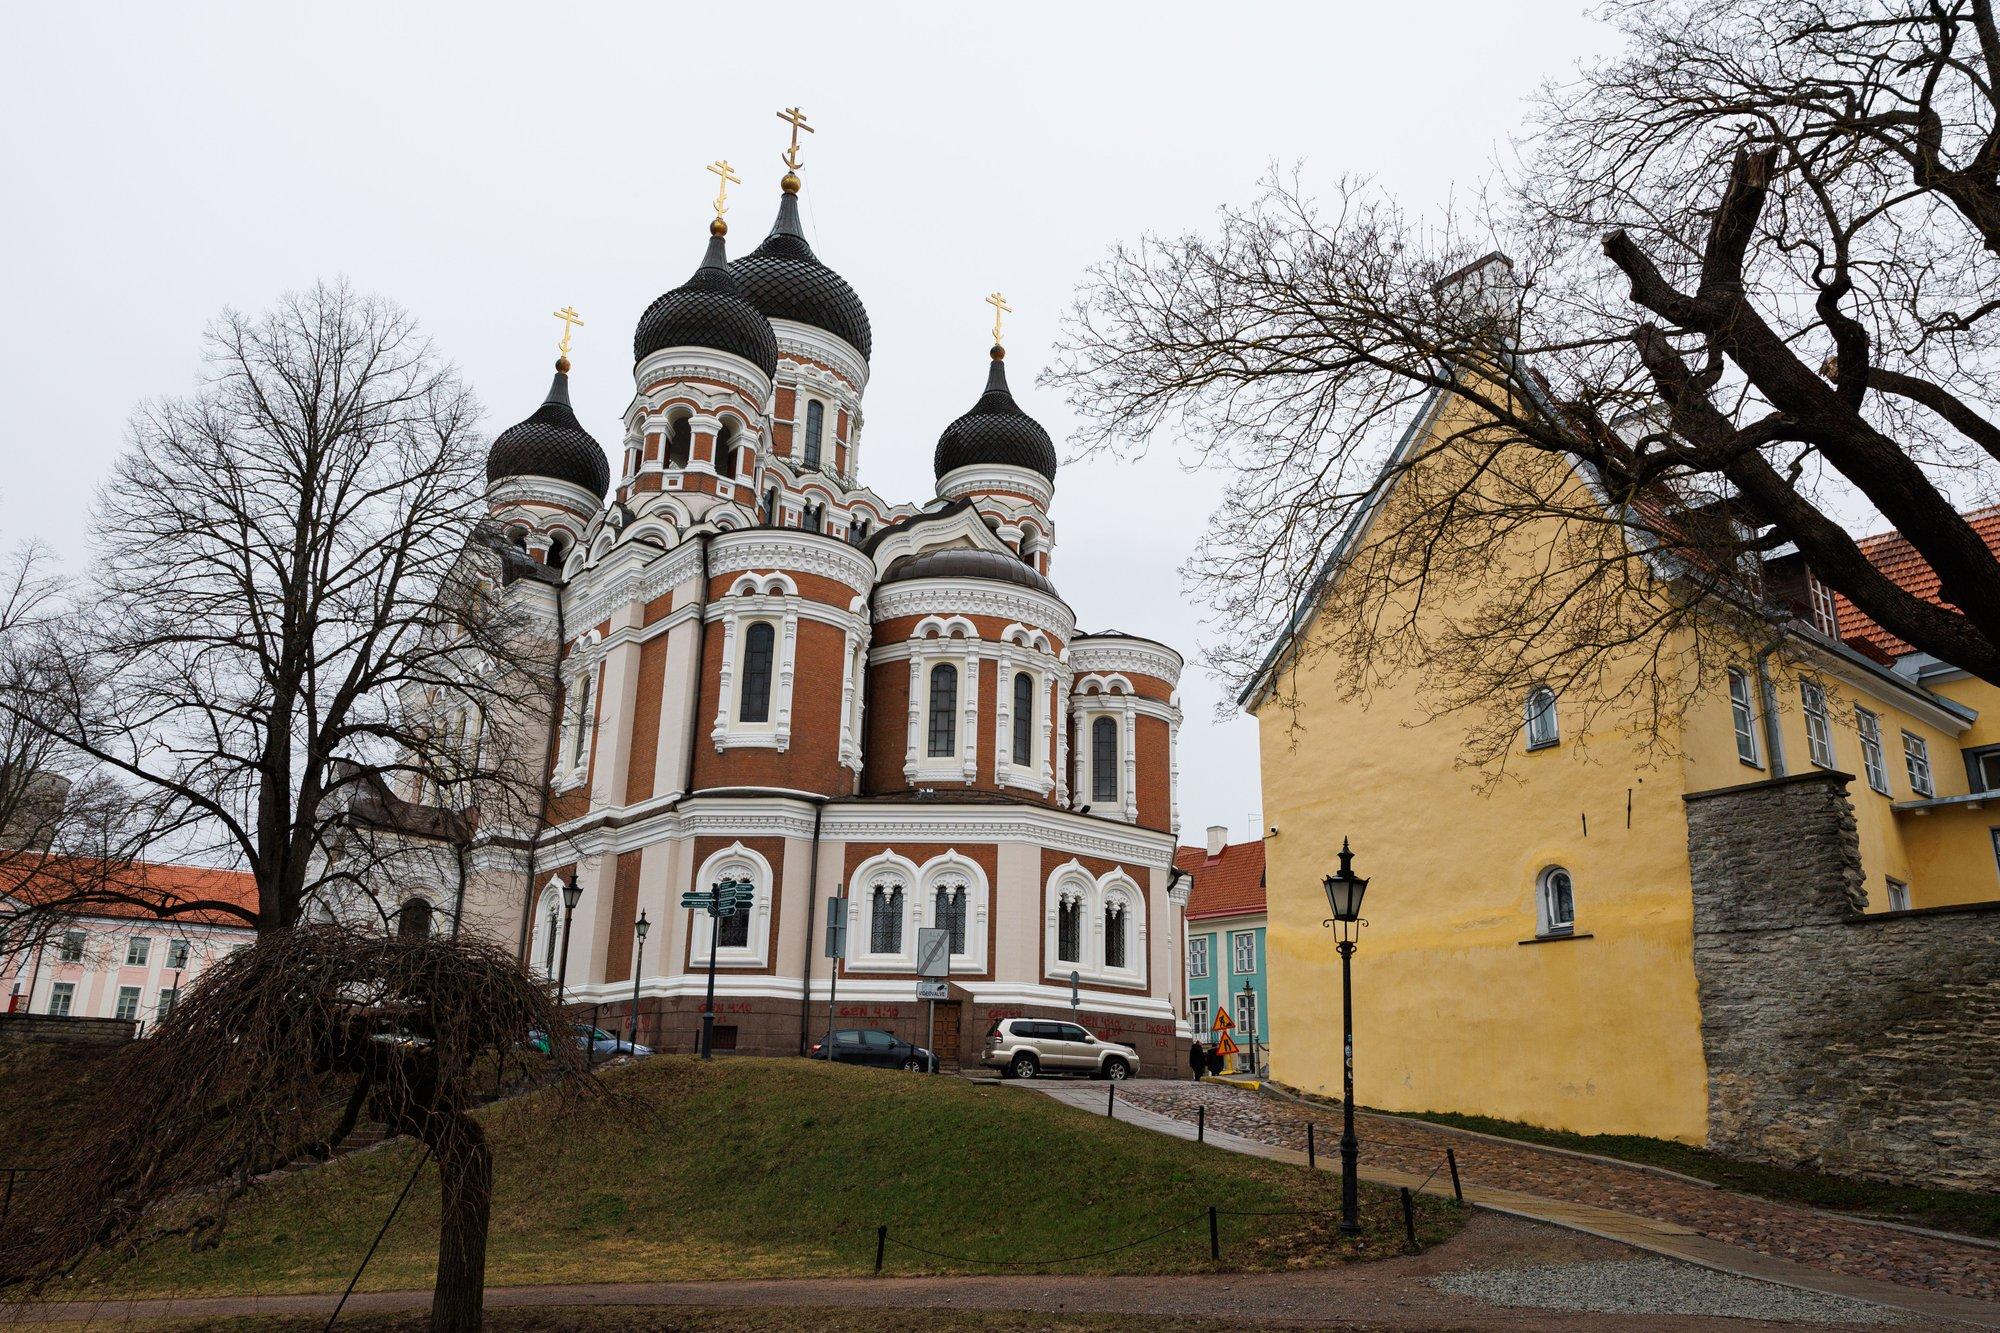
(1218, 838)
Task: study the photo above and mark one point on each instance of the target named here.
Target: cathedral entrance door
(946, 1049)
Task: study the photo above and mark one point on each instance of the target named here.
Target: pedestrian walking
(1197, 1058)
(1216, 1064)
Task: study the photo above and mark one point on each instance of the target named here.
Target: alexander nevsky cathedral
(772, 675)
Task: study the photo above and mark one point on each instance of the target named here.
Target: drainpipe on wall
(812, 913)
(1768, 696)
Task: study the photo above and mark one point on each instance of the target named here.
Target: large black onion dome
(711, 309)
(960, 562)
(551, 443)
(786, 280)
(996, 430)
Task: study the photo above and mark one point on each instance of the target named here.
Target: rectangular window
(1825, 611)
(137, 950)
(177, 954)
(72, 947)
(168, 995)
(1104, 759)
(1246, 1017)
(1198, 1015)
(1899, 896)
(1983, 767)
(128, 1002)
(1744, 714)
(1243, 952)
(943, 728)
(1917, 759)
(815, 428)
(1870, 728)
(1198, 956)
(61, 995)
(1819, 727)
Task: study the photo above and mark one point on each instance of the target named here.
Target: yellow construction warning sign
(1223, 1022)
(1224, 1046)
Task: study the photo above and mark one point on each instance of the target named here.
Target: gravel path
(1798, 1234)
(1657, 1287)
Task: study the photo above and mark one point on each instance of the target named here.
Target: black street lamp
(572, 894)
(1343, 899)
(639, 929)
(1250, 1007)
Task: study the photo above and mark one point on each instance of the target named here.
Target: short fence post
(1410, 1217)
(1201, 1124)
(1312, 1159)
(881, 1244)
(1110, 1098)
(1214, 1237)
(1457, 1191)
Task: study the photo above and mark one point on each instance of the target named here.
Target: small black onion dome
(786, 280)
(960, 562)
(711, 309)
(996, 430)
(551, 443)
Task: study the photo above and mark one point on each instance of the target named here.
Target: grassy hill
(784, 1168)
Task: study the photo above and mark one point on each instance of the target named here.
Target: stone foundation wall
(1859, 1045)
(49, 1027)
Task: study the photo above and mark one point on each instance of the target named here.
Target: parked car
(602, 1045)
(1025, 1047)
(872, 1046)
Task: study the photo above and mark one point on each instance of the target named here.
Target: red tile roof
(1895, 557)
(136, 889)
(1228, 885)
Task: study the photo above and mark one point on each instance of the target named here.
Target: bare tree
(1751, 292)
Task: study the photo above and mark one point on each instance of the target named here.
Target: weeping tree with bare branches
(1746, 294)
(296, 654)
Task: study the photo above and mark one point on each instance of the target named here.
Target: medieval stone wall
(1859, 1045)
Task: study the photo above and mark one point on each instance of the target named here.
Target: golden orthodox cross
(796, 118)
(1000, 307)
(568, 316)
(725, 176)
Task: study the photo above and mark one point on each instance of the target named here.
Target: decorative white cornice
(598, 592)
(806, 342)
(655, 377)
(975, 478)
(543, 490)
(918, 597)
(787, 549)
(1146, 657)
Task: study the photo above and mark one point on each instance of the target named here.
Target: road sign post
(836, 949)
(726, 899)
(1075, 996)
(933, 963)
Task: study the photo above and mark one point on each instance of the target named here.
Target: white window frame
(1868, 726)
(734, 862)
(1239, 940)
(1197, 959)
(744, 627)
(955, 641)
(1917, 763)
(1819, 723)
(1243, 1008)
(119, 1006)
(72, 947)
(949, 867)
(578, 727)
(772, 598)
(1199, 1015)
(62, 999)
(1095, 893)
(1825, 610)
(1539, 725)
(141, 945)
(178, 953)
(1546, 924)
(1743, 716)
(1899, 894)
(889, 870)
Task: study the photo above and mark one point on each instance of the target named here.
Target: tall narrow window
(755, 702)
(1558, 902)
(177, 954)
(1024, 719)
(579, 720)
(1743, 713)
(553, 923)
(1114, 933)
(680, 442)
(725, 451)
(1069, 928)
(857, 530)
(1198, 1014)
(943, 711)
(948, 913)
(413, 922)
(1819, 727)
(1869, 727)
(128, 1003)
(1104, 759)
(815, 425)
(1198, 956)
(885, 921)
(1825, 611)
(733, 931)
(1541, 715)
(1917, 760)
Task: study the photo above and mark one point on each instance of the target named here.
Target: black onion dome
(961, 562)
(996, 430)
(786, 281)
(711, 309)
(551, 443)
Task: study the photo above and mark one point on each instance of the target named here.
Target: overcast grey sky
(485, 164)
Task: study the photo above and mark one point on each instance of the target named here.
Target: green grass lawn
(716, 1319)
(784, 1168)
(1949, 1210)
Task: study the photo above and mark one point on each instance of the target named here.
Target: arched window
(552, 923)
(1024, 719)
(944, 711)
(948, 913)
(725, 450)
(1104, 759)
(1069, 929)
(857, 530)
(1114, 932)
(680, 441)
(771, 507)
(885, 919)
(1541, 715)
(1557, 906)
(414, 921)
(755, 701)
(815, 425)
(733, 932)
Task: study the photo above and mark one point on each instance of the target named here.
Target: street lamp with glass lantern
(572, 894)
(1343, 899)
(639, 929)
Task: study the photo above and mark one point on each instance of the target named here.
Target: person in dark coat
(1197, 1058)
(1216, 1064)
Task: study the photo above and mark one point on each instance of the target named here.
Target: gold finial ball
(562, 365)
(718, 228)
(790, 184)
(998, 353)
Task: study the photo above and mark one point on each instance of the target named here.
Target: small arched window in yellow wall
(1556, 903)
(1541, 715)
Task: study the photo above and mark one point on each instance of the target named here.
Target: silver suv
(1025, 1047)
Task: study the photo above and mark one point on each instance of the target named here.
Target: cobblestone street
(1854, 1248)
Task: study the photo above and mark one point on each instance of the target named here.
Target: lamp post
(639, 929)
(1343, 898)
(1250, 1008)
(572, 893)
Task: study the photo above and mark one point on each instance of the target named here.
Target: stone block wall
(1859, 1045)
(49, 1027)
